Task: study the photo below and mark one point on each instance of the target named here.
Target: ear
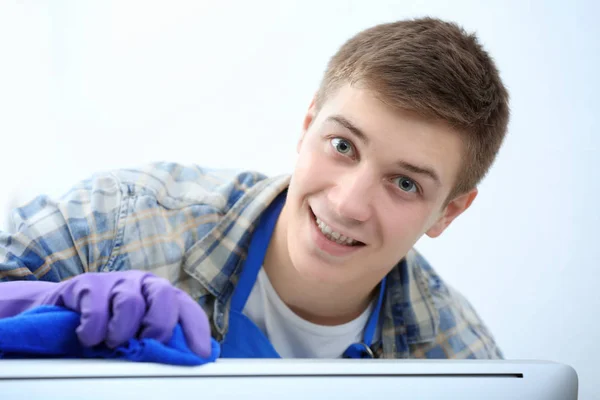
(308, 119)
(451, 211)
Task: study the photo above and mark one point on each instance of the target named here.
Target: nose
(351, 198)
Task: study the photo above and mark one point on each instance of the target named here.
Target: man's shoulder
(177, 185)
(461, 331)
(440, 290)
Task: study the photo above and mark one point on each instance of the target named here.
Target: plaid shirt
(192, 226)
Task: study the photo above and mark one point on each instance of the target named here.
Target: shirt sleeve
(144, 218)
(54, 239)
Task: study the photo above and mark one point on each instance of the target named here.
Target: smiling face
(368, 183)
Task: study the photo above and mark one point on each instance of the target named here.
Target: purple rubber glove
(116, 307)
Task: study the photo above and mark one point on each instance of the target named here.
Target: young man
(407, 121)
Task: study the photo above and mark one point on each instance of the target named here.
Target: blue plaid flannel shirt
(192, 226)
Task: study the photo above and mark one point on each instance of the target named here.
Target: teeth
(335, 236)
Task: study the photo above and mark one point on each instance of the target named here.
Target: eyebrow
(415, 169)
(350, 126)
(420, 170)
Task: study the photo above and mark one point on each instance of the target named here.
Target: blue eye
(406, 184)
(342, 146)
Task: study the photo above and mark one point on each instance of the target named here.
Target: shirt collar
(216, 259)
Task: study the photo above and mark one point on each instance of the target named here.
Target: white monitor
(288, 380)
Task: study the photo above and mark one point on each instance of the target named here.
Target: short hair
(436, 69)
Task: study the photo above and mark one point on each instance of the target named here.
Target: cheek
(313, 167)
(403, 227)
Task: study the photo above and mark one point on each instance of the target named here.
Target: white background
(88, 86)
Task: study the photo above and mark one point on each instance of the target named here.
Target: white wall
(87, 86)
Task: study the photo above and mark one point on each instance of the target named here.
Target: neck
(318, 302)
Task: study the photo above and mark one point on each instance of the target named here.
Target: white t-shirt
(294, 337)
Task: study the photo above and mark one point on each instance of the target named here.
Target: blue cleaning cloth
(49, 332)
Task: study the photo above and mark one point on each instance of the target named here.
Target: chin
(315, 270)
(311, 265)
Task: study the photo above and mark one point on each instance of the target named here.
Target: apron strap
(256, 253)
(363, 349)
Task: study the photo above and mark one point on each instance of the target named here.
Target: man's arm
(128, 221)
(143, 218)
(57, 239)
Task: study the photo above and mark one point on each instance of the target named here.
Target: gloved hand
(116, 307)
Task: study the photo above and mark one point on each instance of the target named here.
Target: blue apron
(244, 339)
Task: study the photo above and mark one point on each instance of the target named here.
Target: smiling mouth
(334, 236)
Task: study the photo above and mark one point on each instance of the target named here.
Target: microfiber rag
(50, 332)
